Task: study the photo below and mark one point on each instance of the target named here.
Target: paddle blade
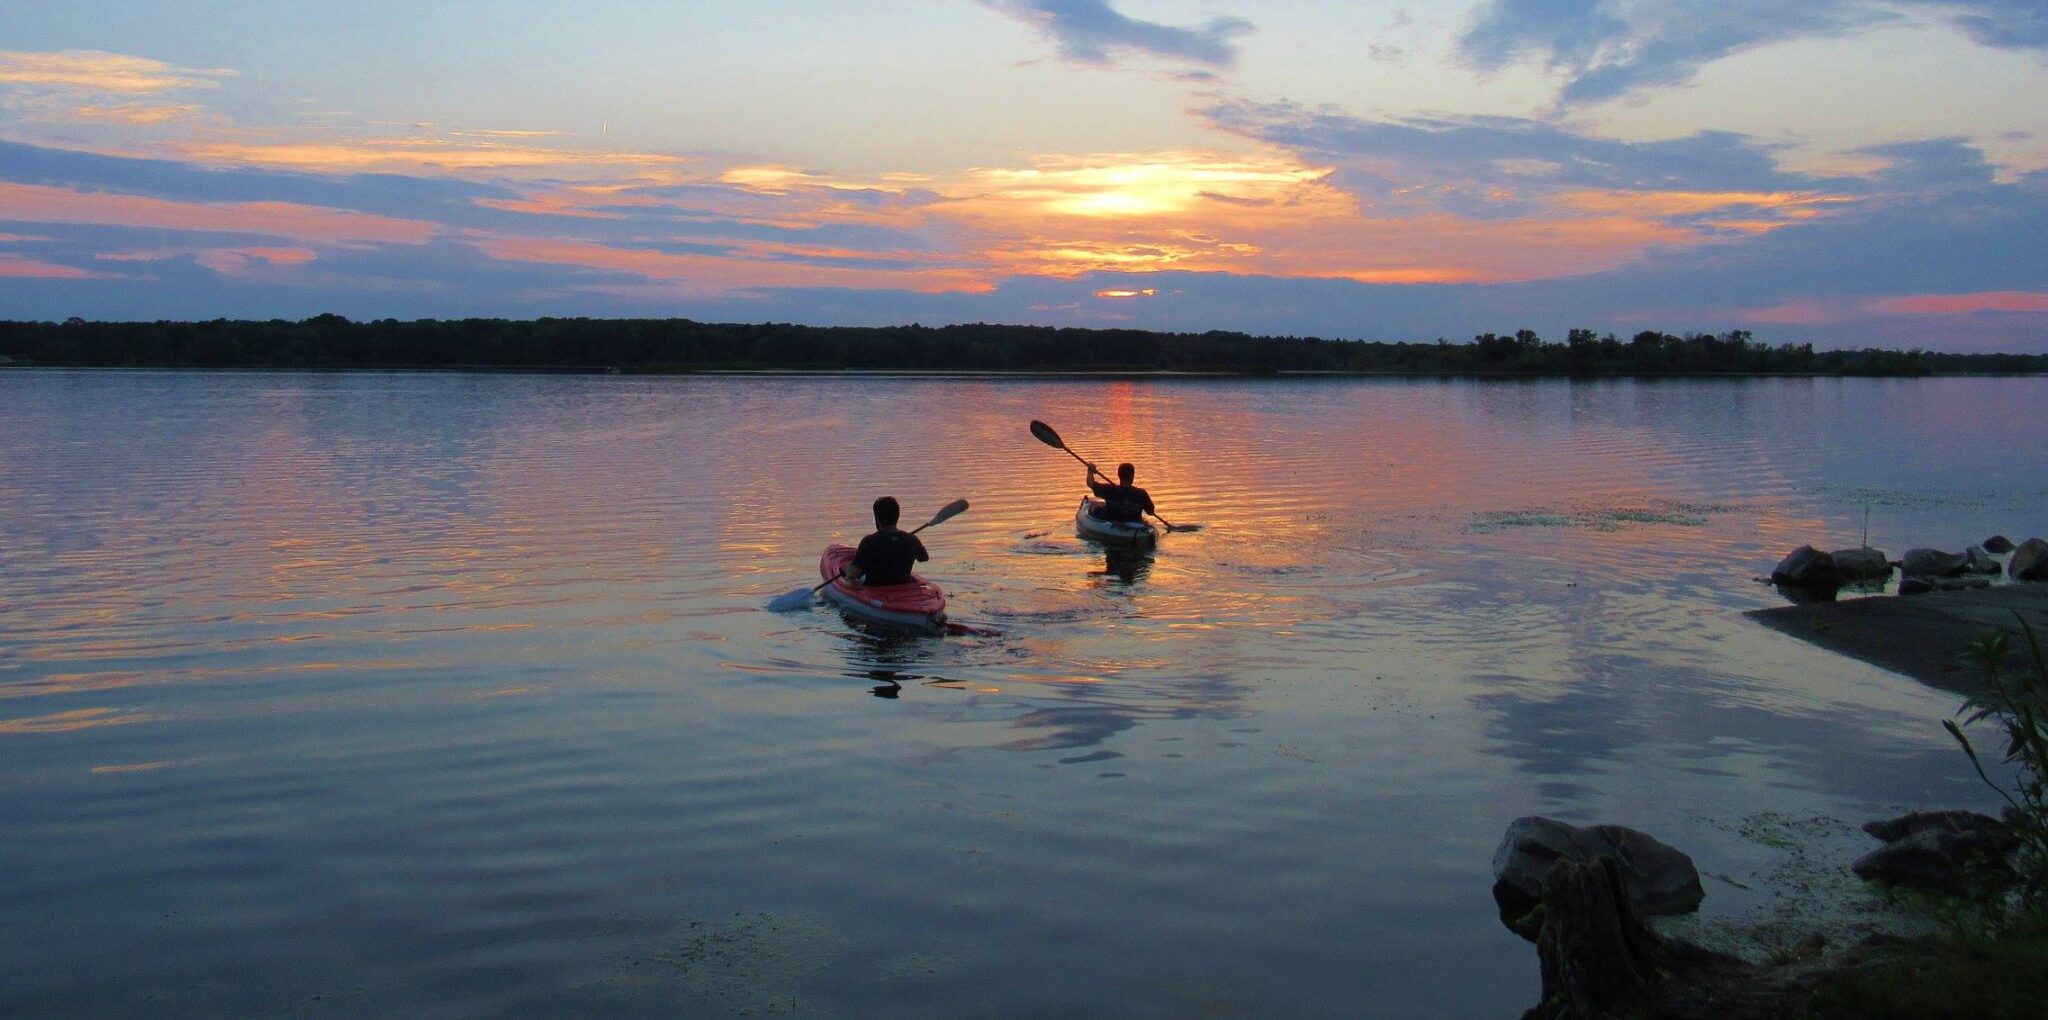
(791, 601)
(946, 513)
(1046, 435)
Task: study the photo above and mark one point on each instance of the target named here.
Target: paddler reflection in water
(887, 556)
(1121, 501)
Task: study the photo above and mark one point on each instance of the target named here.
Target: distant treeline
(680, 345)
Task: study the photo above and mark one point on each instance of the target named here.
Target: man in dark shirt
(886, 556)
(1122, 501)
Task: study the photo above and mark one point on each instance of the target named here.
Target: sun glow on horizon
(583, 214)
(1143, 185)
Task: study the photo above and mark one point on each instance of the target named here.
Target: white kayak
(1138, 534)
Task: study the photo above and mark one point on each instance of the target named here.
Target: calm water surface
(448, 695)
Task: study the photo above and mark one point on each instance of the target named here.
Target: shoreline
(1919, 636)
(1021, 375)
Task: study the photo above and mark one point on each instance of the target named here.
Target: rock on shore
(1807, 567)
(1944, 852)
(1932, 563)
(1862, 566)
(2029, 561)
(1659, 878)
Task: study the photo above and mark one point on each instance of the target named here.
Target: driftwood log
(1600, 960)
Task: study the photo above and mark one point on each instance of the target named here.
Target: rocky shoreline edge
(1581, 895)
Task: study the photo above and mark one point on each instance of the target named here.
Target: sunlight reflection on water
(455, 693)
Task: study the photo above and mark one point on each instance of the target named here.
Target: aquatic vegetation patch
(1502, 520)
(1804, 891)
(1685, 515)
(747, 963)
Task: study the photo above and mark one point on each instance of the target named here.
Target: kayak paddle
(798, 598)
(1170, 526)
(1051, 438)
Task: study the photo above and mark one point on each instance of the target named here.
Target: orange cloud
(1270, 215)
(1263, 213)
(1965, 304)
(138, 114)
(774, 180)
(42, 204)
(707, 274)
(431, 154)
(96, 70)
(1131, 214)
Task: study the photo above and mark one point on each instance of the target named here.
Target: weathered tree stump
(1600, 960)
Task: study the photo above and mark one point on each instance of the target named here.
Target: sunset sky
(1847, 172)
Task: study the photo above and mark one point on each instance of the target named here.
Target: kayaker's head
(1125, 472)
(887, 512)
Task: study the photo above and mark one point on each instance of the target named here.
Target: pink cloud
(16, 267)
(238, 261)
(1795, 312)
(37, 203)
(1964, 304)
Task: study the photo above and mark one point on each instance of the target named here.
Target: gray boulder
(2029, 561)
(1911, 585)
(1863, 566)
(1946, 852)
(1932, 563)
(1978, 561)
(1658, 878)
(1893, 829)
(1806, 567)
(1998, 545)
(1938, 860)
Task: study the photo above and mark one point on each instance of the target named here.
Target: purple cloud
(1494, 167)
(1607, 49)
(1089, 31)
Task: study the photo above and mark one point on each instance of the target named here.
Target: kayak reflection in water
(888, 686)
(887, 556)
(1121, 501)
(1126, 565)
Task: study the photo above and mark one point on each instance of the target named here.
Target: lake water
(454, 695)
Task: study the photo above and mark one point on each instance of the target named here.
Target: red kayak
(914, 603)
